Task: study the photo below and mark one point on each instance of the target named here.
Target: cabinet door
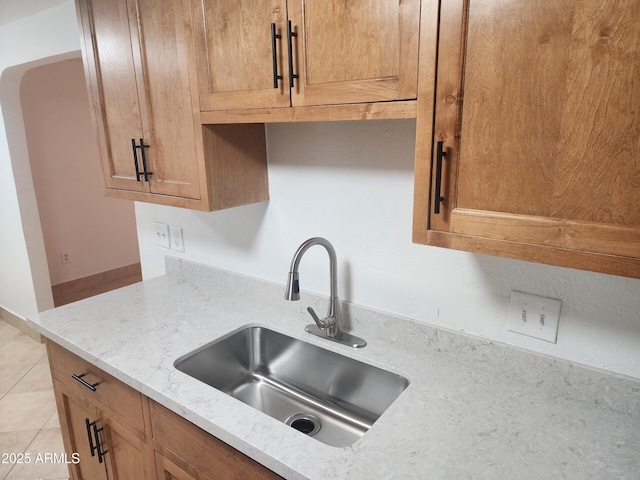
(354, 51)
(125, 448)
(74, 412)
(543, 157)
(235, 54)
(111, 79)
(167, 470)
(161, 39)
(203, 454)
(138, 70)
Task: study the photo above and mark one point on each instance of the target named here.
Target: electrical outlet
(534, 316)
(65, 257)
(162, 235)
(177, 240)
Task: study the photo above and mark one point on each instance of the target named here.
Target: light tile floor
(28, 418)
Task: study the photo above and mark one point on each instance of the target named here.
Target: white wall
(11, 10)
(37, 39)
(349, 182)
(353, 184)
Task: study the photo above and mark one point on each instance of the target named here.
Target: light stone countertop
(474, 409)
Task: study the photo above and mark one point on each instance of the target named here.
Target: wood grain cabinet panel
(135, 59)
(234, 53)
(107, 390)
(167, 470)
(111, 80)
(339, 52)
(188, 451)
(163, 68)
(140, 67)
(538, 118)
(354, 51)
(102, 421)
(74, 412)
(119, 434)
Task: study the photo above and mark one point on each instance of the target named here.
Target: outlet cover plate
(534, 316)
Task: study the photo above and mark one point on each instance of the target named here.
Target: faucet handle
(322, 324)
(325, 327)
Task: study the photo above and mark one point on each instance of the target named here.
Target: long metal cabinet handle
(274, 55)
(136, 166)
(90, 386)
(147, 173)
(144, 171)
(290, 35)
(92, 445)
(96, 433)
(440, 155)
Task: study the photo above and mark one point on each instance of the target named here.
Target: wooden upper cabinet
(136, 64)
(234, 51)
(537, 116)
(161, 40)
(141, 74)
(349, 51)
(251, 52)
(111, 77)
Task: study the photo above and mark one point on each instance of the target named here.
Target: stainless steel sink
(333, 398)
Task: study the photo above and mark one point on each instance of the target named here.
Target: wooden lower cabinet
(119, 434)
(200, 454)
(101, 418)
(107, 447)
(167, 470)
(127, 449)
(74, 412)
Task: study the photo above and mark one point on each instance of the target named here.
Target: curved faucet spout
(329, 327)
(331, 324)
(294, 291)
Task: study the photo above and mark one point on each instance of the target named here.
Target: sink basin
(333, 398)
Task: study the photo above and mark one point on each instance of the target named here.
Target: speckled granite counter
(474, 409)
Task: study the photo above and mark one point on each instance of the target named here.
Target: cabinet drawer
(201, 450)
(92, 383)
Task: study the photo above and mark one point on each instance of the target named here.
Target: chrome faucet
(329, 327)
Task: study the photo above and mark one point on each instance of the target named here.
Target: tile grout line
(19, 380)
(40, 430)
(7, 393)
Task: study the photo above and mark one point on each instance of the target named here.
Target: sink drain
(306, 423)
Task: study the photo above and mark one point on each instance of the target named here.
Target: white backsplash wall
(352, 182)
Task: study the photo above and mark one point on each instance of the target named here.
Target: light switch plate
(534, 316)
(177, 240)
(162, 235)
